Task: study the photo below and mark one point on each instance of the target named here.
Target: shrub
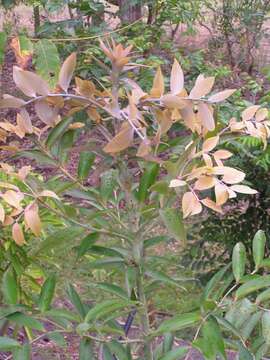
(144, 153)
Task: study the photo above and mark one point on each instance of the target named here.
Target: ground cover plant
(155, 158)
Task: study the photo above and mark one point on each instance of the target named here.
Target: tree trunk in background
(36, 19)
(130, 10)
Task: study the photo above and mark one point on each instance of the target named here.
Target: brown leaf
(230, 175)
(158, 84)
(17, 234)
(144, 148)
(31, 218)
(48, 193)
(205, 182)
(210, 143)
(190, 204)
(261, 114)
(206, 116)
(221, 96)
(66, 71)
(188, 116)
(249, 113)
(84, 87)
(26, 121)
(211, 205)
(221, 192)
(23, 172)
(94, 114)
(30, 83)
(13, 198)
(222, 154)
(121, 141)
(202, 87)
(173, 102)
(47, 114)
(9, 101)
(2, 213)
(243, 189)
(177, 78)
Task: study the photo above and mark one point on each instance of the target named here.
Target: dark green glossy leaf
(75, 300)
(25, 320)
(258, 247)
(178, 322)
(239, 261)
(10, 287)
(58, 131)
(147, 179)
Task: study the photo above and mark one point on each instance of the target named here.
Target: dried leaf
(221, 192)
(29, 83)
(158, 84)
(202, 87)
(261, 114)
(221, 96)
(190, 204)
(176, 182)
(26, 121)
(177, 78)
(205, 182)
(210, 143)
(11, 102)
(84, 87)
(13, 198)
(17, 234)
(2, 213)
(243, 189)
(23, 172)
(31, 218)
(208, 161)
(122, 140)
(230, 175)
(144, 148)
(222, 154)
(249, 113)
(211, 205)
(173, 101)
(48, 193)
(206, 116)
(66, 71)
(47, 114)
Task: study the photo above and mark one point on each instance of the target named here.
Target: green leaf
(239, 261)
(244, 353)
(160, 276)
(62, 313)
(252, 285)
(266, 327)
(3, 42)
(59, 239)
(7, 344)
(22, 353)
(105, 308)
(86, 161)
(167, 342)
(57, 338)
(58, 131)
(86, 350)
(36, 155)
(75, 300)
(118, 349)
(26, 46)
(10, 287)
(175, 354)
(213, 337)
(155, 240)
(160, 187)
(113, 289)
(147, 179)
(66, 142)
(173, 221)
(108, 183)
(249, 325)
(47, 61)
(178, 322)
(86, 243)
(214, 282)
(264, 296)
(106, 353)
(115, 262)
(25, 320)
(228, 326)
(47, 293)
(258, 247)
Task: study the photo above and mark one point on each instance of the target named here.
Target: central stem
(148, 352)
